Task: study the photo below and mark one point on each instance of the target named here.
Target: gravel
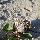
(25, 9)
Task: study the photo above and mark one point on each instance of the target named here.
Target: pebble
(0, 5)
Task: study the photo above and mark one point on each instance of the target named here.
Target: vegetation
(9, 27)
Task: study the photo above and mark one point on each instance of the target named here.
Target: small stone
(18, 36)
(16, 32)
(3, 18)
(34, 27)
(0, 5)
(20, 39)
(26, 14)
(30, 0)
(36, 39)
(32, 38)
(19, 14)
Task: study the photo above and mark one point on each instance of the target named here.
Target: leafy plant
(10, 27)
(27, 35)
(7, 27)
(12, 38)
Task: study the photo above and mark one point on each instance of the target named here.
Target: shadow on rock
(35, 31)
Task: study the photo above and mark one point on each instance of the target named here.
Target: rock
(0, 5)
